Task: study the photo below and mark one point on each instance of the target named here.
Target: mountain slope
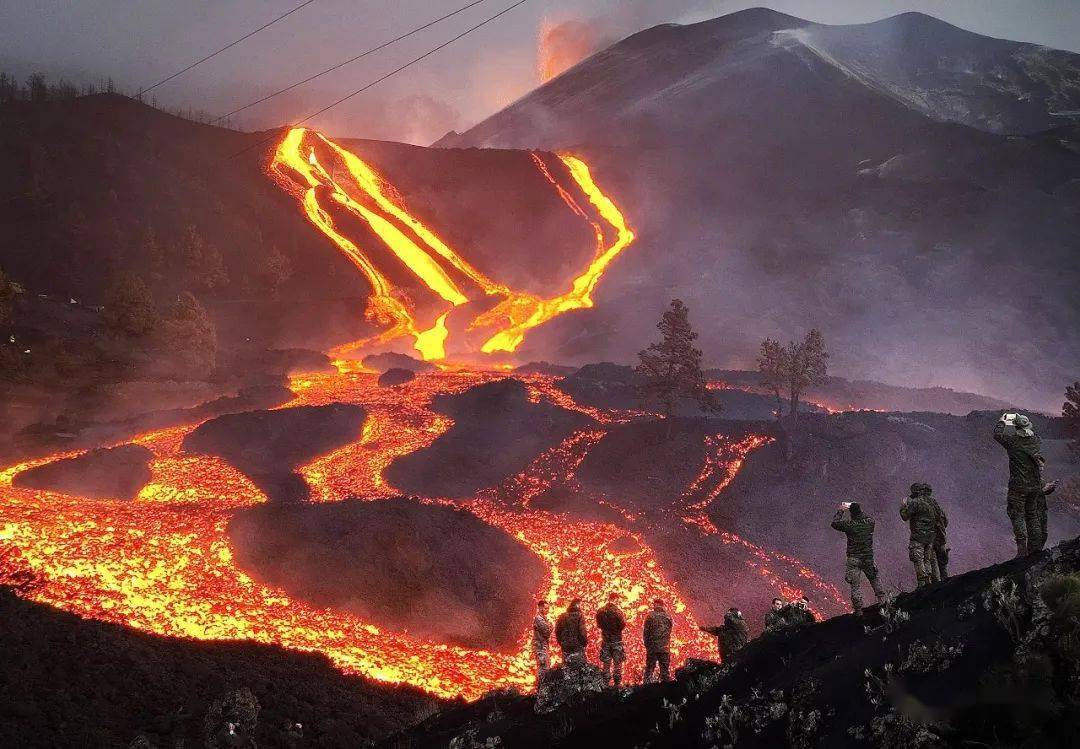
(775, 190)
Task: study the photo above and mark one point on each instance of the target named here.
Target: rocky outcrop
(268, 445)
(497, 433)
(391, 360)
(396, 376)
(105, 473)
(430, 570)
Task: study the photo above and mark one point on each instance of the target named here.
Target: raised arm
(839, 522)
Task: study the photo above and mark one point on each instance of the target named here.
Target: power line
(363, 54)
(227, 46)
(393, 72)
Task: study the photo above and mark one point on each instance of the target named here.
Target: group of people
(928, 541)
(927, 548)
(572, 635)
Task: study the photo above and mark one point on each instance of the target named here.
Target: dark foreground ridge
(989, 658)
(68, 682)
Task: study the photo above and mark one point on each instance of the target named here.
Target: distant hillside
(895, 184)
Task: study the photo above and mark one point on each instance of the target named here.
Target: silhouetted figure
(611, 623)
(657, 637)
(859, 529)
(542, 639)
(732, 635)
(922, 522)
(570, 631)
(1025, 502)
(774, 617)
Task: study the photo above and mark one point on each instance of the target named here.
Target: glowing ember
(350, 184)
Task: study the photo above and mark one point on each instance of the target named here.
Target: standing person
(732, 636)
(542, 639)
(611, 623)
(570, 632)
(774, 617)
(1025, 502)
(922, 523)
(941, 535)
(859, 529)
(657, 637)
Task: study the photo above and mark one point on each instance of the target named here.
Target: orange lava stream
(364, 194)
(163, 563)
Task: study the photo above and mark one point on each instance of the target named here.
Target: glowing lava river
(164, 563)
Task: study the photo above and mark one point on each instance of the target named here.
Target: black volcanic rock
(105, 473)
(957, 679)
(268, 445)
(392, 360)
(72, 682)
(544, 368)
(434, 571)
(396, 376)
(497, 433)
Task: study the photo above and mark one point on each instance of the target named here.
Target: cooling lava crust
(431, 570)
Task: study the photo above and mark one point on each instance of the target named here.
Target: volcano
(877, 181)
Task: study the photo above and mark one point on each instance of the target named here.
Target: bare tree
(808, 364)
(671, 368)
(793, 368)
(773, 366)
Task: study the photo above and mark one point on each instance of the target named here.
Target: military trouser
(925, 561)
(854, 570)
(1027, 512)
(612, 656)
(543, 661)
(663, 660)
(942, 553)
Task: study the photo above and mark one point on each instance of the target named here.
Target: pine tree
(671, 368)
(1070, 411)
(7, 298)
(189, 333)
(129, 307)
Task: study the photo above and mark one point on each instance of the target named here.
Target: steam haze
(138, 45)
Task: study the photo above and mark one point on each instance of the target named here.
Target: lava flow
(356, 188)
(164, 563)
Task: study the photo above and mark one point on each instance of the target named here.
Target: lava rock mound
(396, 376)
(433, 571)
(268, 446)
(105, 473)
(388, 360)
(497, 432)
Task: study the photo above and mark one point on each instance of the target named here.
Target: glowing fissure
(366, 195)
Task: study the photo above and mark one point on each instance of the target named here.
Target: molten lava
(163, 563)
(352, 186)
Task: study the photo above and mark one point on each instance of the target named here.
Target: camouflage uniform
(541, 644)
(922, 520)
(570, 632)
(774, 620)
(941, 548)
(732, 636)
(1025, 501)
(611, 623)
(860, 555)
(657, 638)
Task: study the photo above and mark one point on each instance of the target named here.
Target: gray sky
(139, 42)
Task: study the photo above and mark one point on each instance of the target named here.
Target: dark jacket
(859, 531)
(921, 519)
(657, 632)
(611, 623)
(1025, 460)
(733, 635)
(570, 631)
(796, 616)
